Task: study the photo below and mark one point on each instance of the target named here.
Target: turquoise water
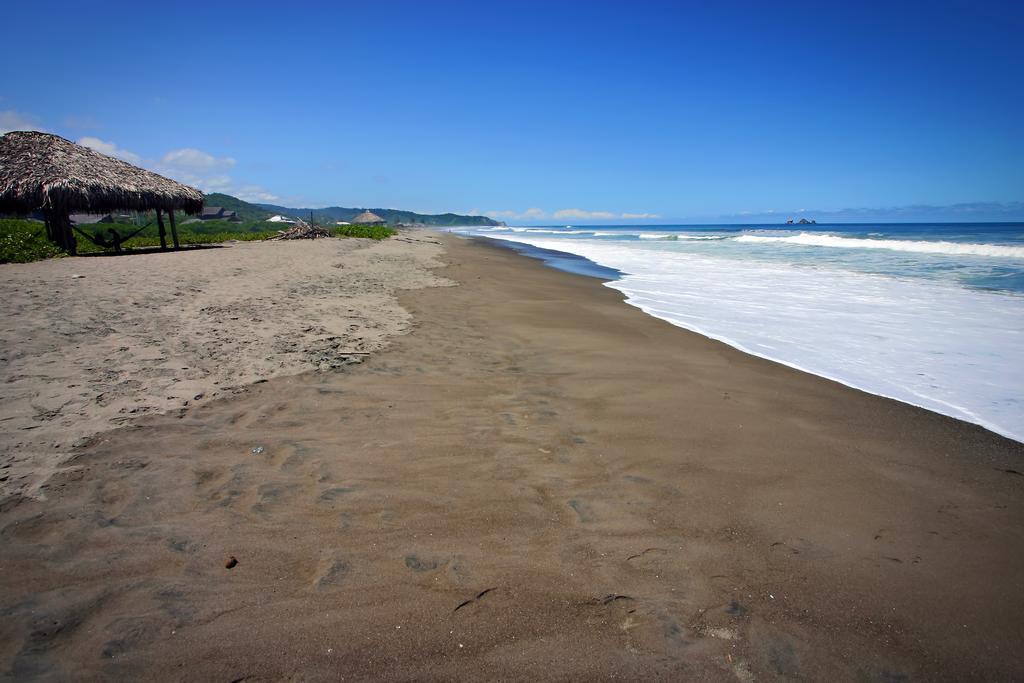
(930, 314)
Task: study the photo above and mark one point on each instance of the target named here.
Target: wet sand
(537, 482)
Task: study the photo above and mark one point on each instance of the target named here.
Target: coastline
(581, 264)
(536, 481)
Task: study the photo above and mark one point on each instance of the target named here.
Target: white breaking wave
(676, 237)
(953, 248)
(549, 231)
(950, 349)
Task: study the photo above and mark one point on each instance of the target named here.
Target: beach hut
(368, 218)
(44, 172)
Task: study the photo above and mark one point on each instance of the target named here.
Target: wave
(932, 344)
(549, 231)
(952, 248)
(672, 237)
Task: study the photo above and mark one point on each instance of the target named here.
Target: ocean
(928, 314)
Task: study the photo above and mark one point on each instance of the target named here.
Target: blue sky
(545, 112)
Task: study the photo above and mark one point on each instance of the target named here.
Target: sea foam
(932, 247)
(950, 349)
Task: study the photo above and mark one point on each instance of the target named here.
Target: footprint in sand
(583, 510)
(333, 494)
(420, 564)
(335, 574)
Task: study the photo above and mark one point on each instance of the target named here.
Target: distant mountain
(392, 216)
(260, 212)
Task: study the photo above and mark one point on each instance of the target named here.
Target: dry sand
(89, 344)
(537, 482)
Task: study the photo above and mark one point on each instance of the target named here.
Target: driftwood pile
(301, 231)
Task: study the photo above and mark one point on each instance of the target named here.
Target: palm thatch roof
(40, 171)
(367, 217)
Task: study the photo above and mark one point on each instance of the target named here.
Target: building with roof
(47, 173)
(218, 213)
(368, 218)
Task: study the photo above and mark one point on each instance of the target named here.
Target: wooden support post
(163, 231)
(50, 234)
(174, 231)
(70, 238)
(58, 229)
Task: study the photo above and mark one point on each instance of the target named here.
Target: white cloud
(532, 213)
(16, 120)
(208, 173)
(196, 159)
(215, 183)
(109, 148)
(581, 214)
(640, 215)
(255, 193)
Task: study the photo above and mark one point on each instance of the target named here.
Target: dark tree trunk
(58, 229)
(69, 236)
(163, 231)
(174, 230)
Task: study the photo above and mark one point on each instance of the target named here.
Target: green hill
(245, 210)
(391, 216)
(260, 212)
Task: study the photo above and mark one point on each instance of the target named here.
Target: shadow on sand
(138, 251)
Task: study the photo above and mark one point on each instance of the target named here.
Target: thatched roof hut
(367, 217)
(44, 172)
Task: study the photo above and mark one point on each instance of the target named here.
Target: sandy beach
(94, 343)
(524, 479)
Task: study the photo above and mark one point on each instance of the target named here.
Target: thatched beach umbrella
(367, 217)
(44, 172)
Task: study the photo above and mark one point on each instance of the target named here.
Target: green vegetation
(374, 232)
(24, 241)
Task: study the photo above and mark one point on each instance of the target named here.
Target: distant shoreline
(535, 243)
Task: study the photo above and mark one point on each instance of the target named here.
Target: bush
(374, 232)
(24, 241)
